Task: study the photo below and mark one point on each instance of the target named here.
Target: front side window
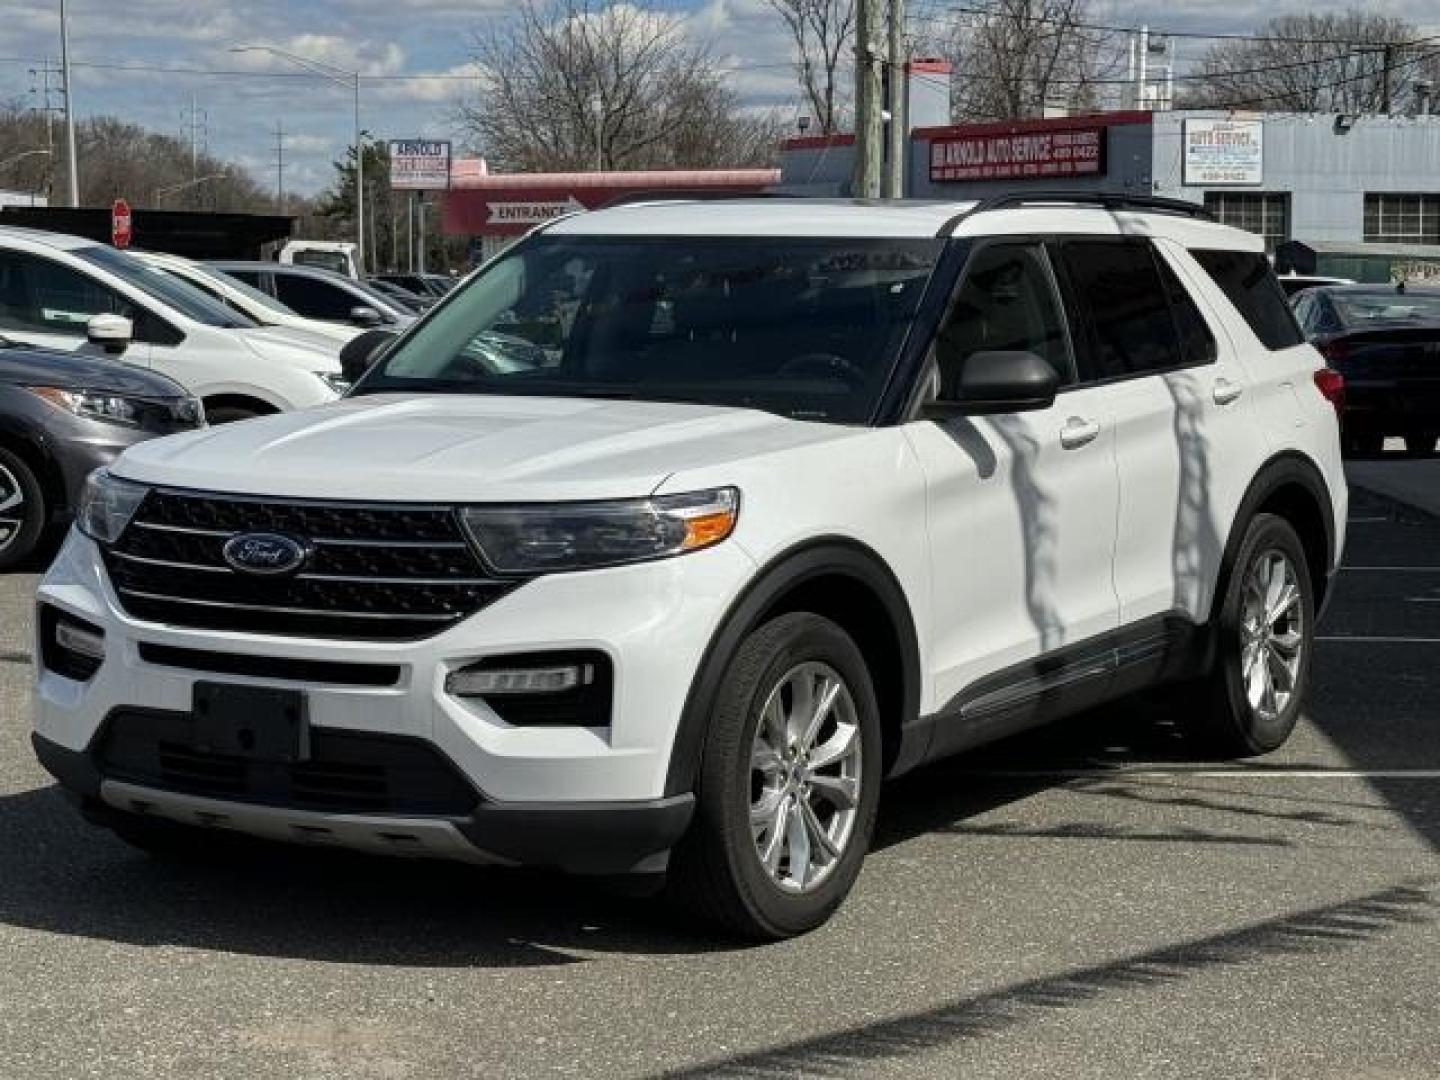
(40, 295)
(1249, 281)
(808, 328)
(170, 291)
(1005, 304)
(315, 299)
(1118, 287)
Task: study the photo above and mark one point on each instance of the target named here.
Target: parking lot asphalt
(1085, 901)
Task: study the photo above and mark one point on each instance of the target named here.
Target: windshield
(245, 289)
(175, 294)
(805, 328)
(1360, 308)
(325, 260)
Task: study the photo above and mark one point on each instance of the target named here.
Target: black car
(63, 414)
(1385, 341)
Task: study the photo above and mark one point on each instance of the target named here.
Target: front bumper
(581, 838)
(580, 798)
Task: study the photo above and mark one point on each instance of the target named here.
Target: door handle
(1226, 391)
(1077, 432)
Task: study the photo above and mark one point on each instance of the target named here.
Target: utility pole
(899, 79)
(865, 177)
(69, 107)
(46, 95)
(198, 121)
(279, 167)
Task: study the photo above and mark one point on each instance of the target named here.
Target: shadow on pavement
(1322, 930)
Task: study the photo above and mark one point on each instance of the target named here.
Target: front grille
(377, 572)
(349, 772)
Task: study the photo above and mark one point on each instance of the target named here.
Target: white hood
(466, 448)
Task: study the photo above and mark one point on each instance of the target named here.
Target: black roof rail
(1108, 200)
(690, 195)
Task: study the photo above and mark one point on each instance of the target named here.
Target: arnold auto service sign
(1219, 152)
(1019, 155)
(419, 164)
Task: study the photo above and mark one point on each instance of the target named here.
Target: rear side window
(1249, 281)
(1197, 344)
(1119, 287)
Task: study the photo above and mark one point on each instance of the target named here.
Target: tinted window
(249, 277)
(1249, 281)
(314, 298)
(807, 328)
(1120, 291)
(43, 296)
(1197, 344)
(1359, 308)
(1005, 304)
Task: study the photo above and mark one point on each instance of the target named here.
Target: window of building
(1402, 219)
(1266, 213)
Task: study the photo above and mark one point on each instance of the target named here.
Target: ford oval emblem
(269, 554)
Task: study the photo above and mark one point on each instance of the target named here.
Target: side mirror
(995, 382)
(113, 333)
(361, 315)
(360, 353)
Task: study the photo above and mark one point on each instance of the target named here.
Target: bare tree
(576, 84)
(1313, 63)
(822, 32)
(1022, 55)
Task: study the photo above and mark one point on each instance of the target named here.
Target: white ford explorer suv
(667, 538)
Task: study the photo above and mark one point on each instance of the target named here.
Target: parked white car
(67, 292)
(681, 526)
(258, 306)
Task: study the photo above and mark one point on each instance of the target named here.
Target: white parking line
(1365, 639)
(1150, 772)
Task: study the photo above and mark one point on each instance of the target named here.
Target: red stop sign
(120, 229)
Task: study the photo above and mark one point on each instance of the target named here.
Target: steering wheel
(824, 365)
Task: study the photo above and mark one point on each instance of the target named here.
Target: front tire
(788, 785)
(23, 511)
(1250, 701)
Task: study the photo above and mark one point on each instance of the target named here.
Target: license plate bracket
(259, 723)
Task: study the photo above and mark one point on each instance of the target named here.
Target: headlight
(334, 380)
(584, 536)
(112, 408)
(107, 505)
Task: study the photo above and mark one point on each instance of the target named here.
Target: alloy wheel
(805, 776)
(1271, 633)
(12, 507)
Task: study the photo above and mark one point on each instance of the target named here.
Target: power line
(936, 9)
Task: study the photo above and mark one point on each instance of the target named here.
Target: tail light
(1331, 385)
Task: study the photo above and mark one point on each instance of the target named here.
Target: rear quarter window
(1249, 281)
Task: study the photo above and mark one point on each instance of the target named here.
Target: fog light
(76, 638)
(545, 680)
(69, 646)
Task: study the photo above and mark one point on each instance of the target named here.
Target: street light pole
(341, 77)
(21, 157)
(69, 107)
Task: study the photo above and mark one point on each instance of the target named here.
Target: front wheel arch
(839, 577)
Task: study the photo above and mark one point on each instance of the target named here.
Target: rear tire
(1251, 699)
(788, 788)
(23, 511)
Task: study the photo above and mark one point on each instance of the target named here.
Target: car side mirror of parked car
(113, 333)
(360, 353)
(994, 382)
(361, 315)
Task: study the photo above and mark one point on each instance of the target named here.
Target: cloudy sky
(414, 54)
